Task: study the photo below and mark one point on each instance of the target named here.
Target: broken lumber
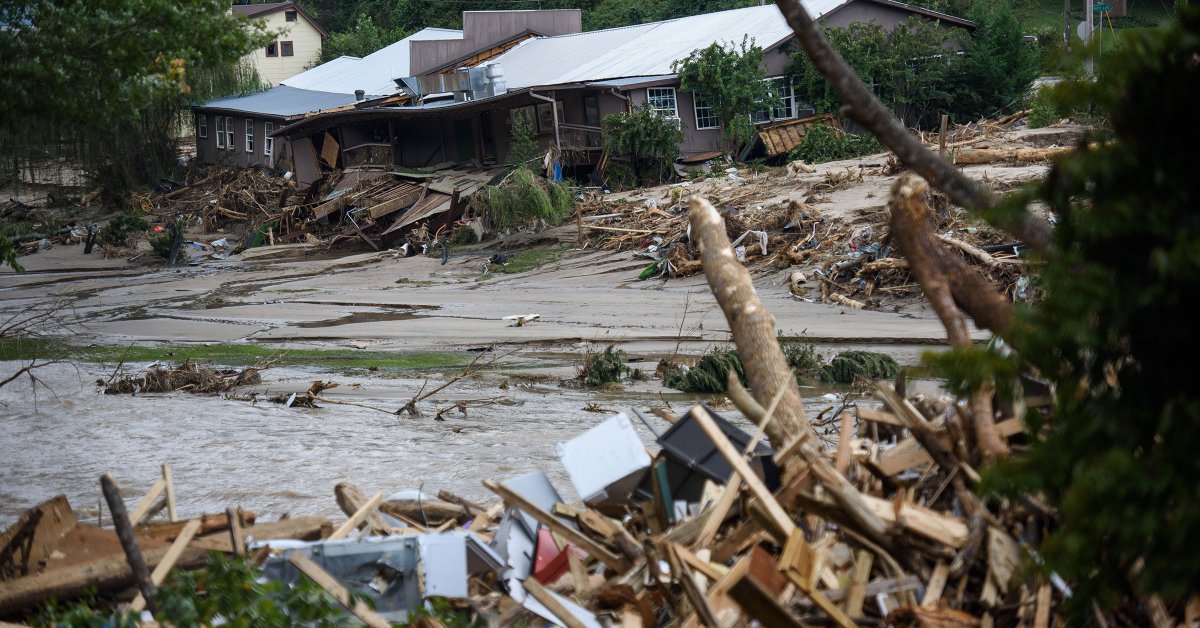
(350, 499)
(27, 544)
(335, 588)
(159, 575)
(128, 537)
(307, 528)
(979, 156)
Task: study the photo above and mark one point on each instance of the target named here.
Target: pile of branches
(190, 376)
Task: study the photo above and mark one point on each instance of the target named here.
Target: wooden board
(329, 151)
(27, 544)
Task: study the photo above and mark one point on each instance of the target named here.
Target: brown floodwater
(271, 459)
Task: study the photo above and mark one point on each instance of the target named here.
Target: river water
(274, 460)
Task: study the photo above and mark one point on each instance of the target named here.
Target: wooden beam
(147, 502)
(858, 584)
(552, 604)
(172, 513)
(27, 544)
(779, 517)
(237, 542)
(335, 588)
(937, 584)
(307, 528)
(797, 564)
(585, 542)
(159, 575)
(104, 574)
(756, 584)
(357, 518)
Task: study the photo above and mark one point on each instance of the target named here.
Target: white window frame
(229, 133)
(268, 141)
(784, 109)
(662, 94)
(249, 135)
(219, 122)
(202, 126)
(697, 107)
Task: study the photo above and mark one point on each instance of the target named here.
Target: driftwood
(128, 537)
(976, 156)
(949, 283)
(753, 330)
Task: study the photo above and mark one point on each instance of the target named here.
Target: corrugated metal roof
(644, 49)
(282, 101)
(372, 73)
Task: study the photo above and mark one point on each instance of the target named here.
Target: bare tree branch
(864, 107)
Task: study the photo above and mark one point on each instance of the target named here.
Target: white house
(295, 49)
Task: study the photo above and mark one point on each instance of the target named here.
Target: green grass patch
(232, 355)
(529, 260)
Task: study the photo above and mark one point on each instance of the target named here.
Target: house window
(786, 108)
(285, 48)
(662, 100)
(591, 110)
(268, 141)
(705, 118)
(273, 49)
(289, 16)
(229, 132)
(785, 105)
(202, 126)
(249, 136)
(220, 122)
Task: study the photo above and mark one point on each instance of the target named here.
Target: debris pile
(190, 376)
(794, 219)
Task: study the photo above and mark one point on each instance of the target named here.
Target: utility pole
(1067, 24)
(1090, 28)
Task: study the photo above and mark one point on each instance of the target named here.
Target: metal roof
(372, 73)
(281, 101)
(644, 49)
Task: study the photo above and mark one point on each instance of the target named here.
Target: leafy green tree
(730, 79)
(643, 135)
(100, 64)
(1116, 460)
(103, 86)
(360, 40)
(909, 68)
(996, 67)
(8, 254)
(616, 13)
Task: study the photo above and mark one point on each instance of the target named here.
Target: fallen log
(980, 156)
(309, 528)
(427, 512)
(67, 583)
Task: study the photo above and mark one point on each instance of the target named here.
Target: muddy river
(274, 460)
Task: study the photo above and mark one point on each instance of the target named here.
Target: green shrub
(645, 137)
(710, 373)
(463, 236)
(603, 368)
(824, 143)
(848, 366)
(227, 589)
(523, 198)
(802, 358)
(116, 232)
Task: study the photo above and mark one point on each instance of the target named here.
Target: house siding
(207, 151)
(306, 47)
(484, 29)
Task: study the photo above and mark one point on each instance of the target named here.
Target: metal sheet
(373, 73)
(605, 462)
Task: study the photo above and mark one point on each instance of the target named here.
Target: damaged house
(439, 105)
(460, 108)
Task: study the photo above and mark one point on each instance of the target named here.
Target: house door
(464, 139)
